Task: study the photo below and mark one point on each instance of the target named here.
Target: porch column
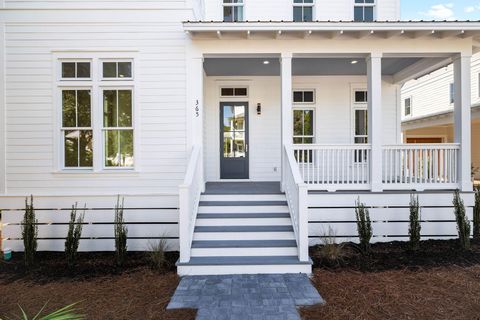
(462, 115)
(287, 126)
(374, 80)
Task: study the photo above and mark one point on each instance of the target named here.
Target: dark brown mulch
(398, 255)
(134, 291)
(448, 293)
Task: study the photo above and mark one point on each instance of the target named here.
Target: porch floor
(268, 187)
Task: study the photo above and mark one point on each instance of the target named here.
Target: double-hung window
(364, 10)
(408, 106)
(302, 10)
(232, 10)
(97, 114)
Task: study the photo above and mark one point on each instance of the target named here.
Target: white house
(240, 130)
(427, 114)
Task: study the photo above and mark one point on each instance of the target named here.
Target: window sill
(105, 172)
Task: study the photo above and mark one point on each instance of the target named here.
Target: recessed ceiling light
(266, 62)
(354, 62)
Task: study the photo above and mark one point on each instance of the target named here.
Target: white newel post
(374, 80)
(462, 115)
(287, 126)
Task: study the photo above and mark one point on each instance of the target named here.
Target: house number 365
(197, 109)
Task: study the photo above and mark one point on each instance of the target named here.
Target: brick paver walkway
(245, 297)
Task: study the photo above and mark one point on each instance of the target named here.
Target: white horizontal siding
(431, 93)
(30, 109)
(96, 4)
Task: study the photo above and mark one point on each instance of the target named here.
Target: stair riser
(244, 236)
(243, 252)
(244, 197)
(242, 209)
(244, 222)
(243, 269)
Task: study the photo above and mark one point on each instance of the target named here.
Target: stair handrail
(189, 198)
(296, 191)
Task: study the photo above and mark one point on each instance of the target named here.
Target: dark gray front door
(234, 140)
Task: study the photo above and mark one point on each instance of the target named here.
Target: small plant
(29, 233)
(476, 215)
(66, 313)
(330, 250)
(73, 237)
(463, 224)
(415, 227)
(156, 254)
(121, 232)
(364, 226)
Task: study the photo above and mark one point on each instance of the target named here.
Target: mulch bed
(104, 291)
(438, 281)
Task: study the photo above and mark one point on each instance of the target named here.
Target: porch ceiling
(303, 66)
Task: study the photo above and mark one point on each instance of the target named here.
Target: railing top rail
(332, 146)
(423, 146)
(192, 164)
(292, 164)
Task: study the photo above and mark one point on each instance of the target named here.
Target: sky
(440, 10)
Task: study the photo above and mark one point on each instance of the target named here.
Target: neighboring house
(428, 112)
(151, 100)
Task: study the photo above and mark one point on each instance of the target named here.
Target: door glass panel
(234, 127)
(361, 122)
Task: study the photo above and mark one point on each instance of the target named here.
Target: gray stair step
(245, 229)
(243, 243)
(242, 203)
(248, 260)
(242, 215)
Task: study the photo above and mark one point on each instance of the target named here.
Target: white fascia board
(331, 26)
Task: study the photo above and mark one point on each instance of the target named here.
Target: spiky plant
(415, 226)
(463, 224)
(476, 215)
(364, 226)
(156, 254)
(72, 241)
(121, 233)
(66, 313)
(29, 233)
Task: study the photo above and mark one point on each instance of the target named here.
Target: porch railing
(420, 166)
(296, 192)
(189, 198)
(334, 167)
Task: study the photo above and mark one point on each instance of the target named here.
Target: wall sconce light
(259, 108)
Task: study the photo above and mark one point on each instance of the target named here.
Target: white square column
(374, 80)
(462, 115)
(287, 113)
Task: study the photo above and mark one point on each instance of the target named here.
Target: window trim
(405, 106)
(232, 5)
(234, 95)
(303, 5)
(95, 84)
(116, 61)
(357, 106)
(365, 5)
(59, 73)
(63, 129)
(304, 108)
(103, 129)
(303, 90)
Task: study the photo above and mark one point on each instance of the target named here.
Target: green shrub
(156, 254)
(29, 233)
(121, 233)
(66, 313)
(476, 215)
(364, 226)
(463, 224)
(73, 237)
(415, 227)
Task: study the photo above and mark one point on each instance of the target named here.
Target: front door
(234, 140)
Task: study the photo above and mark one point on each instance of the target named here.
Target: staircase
(246, 232)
